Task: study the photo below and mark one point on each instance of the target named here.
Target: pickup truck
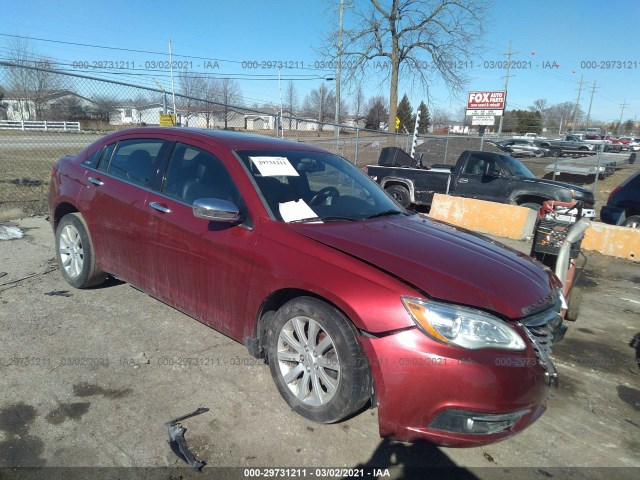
(569, 143)
(482, 175)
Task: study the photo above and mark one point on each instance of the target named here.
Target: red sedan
(353, 300)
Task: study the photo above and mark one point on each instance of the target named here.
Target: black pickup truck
(482, 175)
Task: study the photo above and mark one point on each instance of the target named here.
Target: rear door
(201, 267)
(114, 205)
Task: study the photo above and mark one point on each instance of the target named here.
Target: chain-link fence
(39, 125)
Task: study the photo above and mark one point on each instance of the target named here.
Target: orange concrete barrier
(509, 221)
(622, 242)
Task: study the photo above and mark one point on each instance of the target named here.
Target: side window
(135, 161)
(93, 159)
(193, 173)
(476, 165)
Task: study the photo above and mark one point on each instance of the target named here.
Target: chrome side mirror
(216, 210)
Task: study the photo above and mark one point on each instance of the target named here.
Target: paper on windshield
(296, 210)
(274, 166)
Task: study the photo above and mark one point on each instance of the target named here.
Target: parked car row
(533, 146)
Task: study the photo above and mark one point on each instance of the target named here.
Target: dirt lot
(89, 379)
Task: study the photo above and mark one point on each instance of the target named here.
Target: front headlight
(462, 326)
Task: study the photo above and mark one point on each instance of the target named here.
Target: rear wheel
(316, 361)
(75, 254)
(632, 221)
(400, 195)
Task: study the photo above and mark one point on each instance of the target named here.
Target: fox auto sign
(486, 100)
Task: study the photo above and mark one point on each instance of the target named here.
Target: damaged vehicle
(293, 251)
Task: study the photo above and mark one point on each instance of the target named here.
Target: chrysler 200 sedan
(293, 251)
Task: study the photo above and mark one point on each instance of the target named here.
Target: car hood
(444, 262)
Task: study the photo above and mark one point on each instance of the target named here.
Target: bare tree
(192, 89)
(541, 106)
(31, 79)
(359, 105)
(441, 118)
(229, 95)
(211, 104)
(291, 100)
(421, 39)
(560, 115)
(104, 106)
(320, 104)
(3, 106)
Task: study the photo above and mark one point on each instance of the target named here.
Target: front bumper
(455, 397)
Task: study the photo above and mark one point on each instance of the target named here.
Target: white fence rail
(46, 126)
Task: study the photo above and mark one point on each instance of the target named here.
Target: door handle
(160, 208)
(463, 180)
(95, 181)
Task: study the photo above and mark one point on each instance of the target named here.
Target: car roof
(229, 139)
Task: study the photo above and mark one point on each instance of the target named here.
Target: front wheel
(316, 361)
(75, 254)
(400, 194)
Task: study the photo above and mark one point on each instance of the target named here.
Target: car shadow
(418, 460)
(108, 283)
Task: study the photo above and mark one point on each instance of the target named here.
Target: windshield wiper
(328, 218)
(384, 213)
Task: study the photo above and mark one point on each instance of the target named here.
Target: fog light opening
(475, 423)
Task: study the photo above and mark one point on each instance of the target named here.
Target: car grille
(543, 329)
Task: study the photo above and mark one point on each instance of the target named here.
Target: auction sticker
(274, 166)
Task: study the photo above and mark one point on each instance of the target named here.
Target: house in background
(53, 105)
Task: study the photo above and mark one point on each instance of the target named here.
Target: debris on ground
(178, 443)
(8, 232)
(59, 293)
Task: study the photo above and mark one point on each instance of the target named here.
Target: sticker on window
(296, 210)
(274, 166)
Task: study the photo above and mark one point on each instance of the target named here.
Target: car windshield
(516, 168)
(300, 186)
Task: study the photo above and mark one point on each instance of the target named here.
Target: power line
(133, 50)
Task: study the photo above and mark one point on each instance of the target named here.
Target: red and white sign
(486, 100)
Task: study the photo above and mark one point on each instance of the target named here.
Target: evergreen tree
(405, 114)
(425, 118)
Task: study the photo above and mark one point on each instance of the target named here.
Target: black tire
(75, 254)
(533, 206)
(336, 380)
(400, 194)
(632, 221)
(574, 300)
